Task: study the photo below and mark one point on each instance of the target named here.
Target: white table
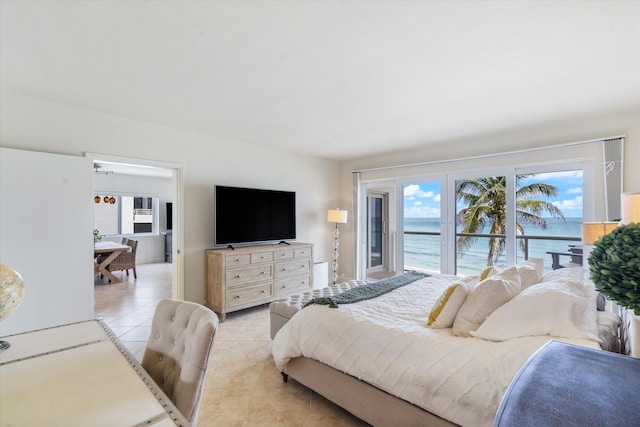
(78, 375)
(111, 248)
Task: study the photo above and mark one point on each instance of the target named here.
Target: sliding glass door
(481, 219)
(550, 215)
(422, 224)
(461, 223)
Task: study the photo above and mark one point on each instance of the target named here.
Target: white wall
(34, 124)
(545, 134)
(45, 235)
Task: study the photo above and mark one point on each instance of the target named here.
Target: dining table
(111, 250)
(78, 374)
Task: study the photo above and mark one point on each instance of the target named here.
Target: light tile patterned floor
(243, 387)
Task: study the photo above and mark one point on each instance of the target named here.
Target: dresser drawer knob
(237, 296)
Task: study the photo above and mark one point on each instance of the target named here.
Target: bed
(379, 360)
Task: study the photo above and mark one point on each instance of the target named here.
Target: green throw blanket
(368, 291)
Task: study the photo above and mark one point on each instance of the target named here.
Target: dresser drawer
(237, 259)
(248, 294)
(292, 268)
(282, 254)
(303, 252)
(239, 276)
(288, 286)
(261, 257)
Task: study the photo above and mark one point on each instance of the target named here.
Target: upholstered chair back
(177, 355)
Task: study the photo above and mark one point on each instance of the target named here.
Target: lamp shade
(630, 208)
(338, 216)
(592, 231)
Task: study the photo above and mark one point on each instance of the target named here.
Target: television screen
(250, 215)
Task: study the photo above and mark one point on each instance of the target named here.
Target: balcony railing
(526, 239)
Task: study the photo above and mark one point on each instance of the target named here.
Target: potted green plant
(614, 264)
(97, 237)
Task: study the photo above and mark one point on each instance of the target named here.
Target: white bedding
(385, 342)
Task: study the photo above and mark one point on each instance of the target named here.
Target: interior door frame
(177, 173)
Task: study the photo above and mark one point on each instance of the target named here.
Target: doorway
(168, 207)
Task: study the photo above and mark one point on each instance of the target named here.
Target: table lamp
(592, 231)
(630, 208)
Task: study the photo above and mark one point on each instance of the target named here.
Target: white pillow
(559, 309)
(492, 270)
(530, 271)
(445, 309)
(484, 299)
(570, 274)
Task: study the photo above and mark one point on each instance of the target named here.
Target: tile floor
(243, 387)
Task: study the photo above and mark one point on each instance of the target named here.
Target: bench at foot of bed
(283, 309)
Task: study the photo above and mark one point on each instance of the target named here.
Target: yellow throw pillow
(445, 309)
(486, 272)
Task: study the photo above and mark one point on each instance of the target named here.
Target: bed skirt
(361, 399)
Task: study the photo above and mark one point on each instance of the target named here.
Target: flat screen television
(251, 215)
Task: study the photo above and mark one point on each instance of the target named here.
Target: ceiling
(335, 79)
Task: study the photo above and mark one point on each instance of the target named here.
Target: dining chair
(102, 257)
(126, 260)
(177, 354)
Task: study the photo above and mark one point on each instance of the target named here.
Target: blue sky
(422, 200)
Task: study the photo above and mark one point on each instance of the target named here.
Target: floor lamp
(338, 217)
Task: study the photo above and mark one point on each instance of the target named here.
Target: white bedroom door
(46, 235)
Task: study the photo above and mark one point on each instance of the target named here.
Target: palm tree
(486, 206)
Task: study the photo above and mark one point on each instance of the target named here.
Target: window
(422, 225)
(541, 213)
(586, 175)
(498, 216)
(119, 214)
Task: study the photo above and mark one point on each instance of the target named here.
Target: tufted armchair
(178, 352)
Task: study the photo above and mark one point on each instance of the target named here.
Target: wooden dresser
(252, 275)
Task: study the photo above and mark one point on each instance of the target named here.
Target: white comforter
(385, 342)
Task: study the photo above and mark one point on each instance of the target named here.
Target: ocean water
(424, 251)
